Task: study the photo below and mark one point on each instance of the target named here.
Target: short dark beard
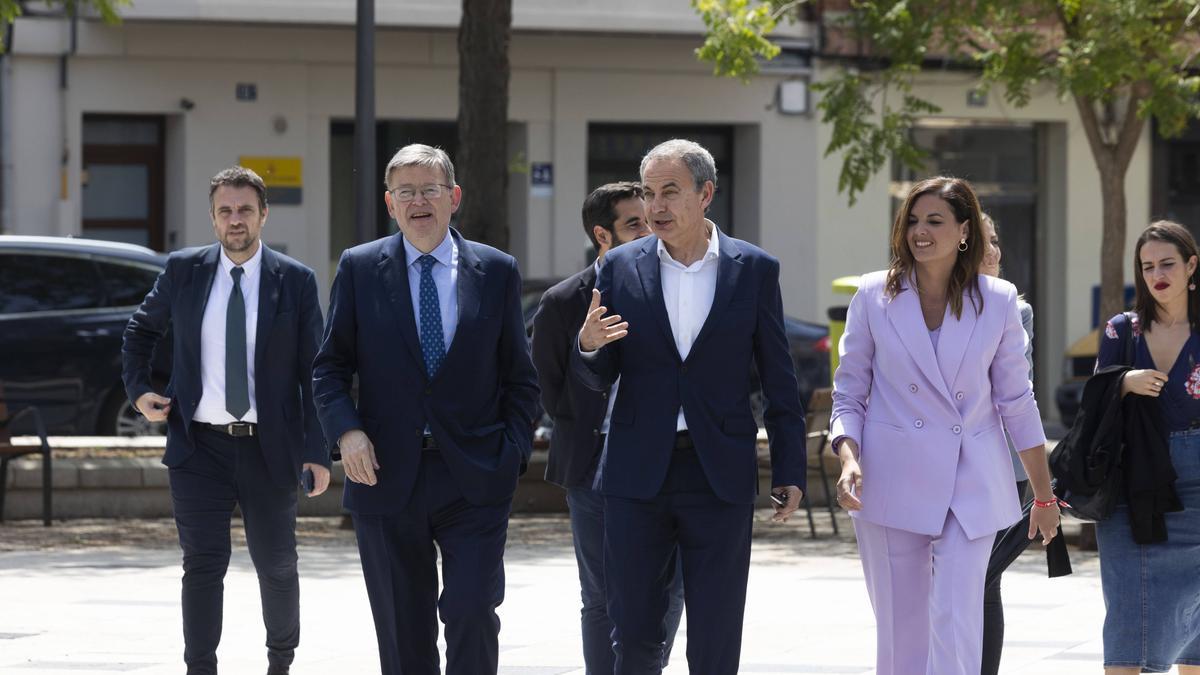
(250, 242)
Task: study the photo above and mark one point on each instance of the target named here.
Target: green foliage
(107, 9)
(1097, 51)
(737, 31)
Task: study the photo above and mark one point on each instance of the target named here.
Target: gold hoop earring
(962, 245)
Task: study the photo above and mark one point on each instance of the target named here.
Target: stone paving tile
(79, 605)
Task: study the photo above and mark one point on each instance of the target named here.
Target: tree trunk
(1112, 241)
(482, 161)
(1112, 156)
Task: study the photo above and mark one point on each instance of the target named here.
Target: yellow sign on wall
(284, 177)
(283, 172)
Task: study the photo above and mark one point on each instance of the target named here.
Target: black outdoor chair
(9, 452)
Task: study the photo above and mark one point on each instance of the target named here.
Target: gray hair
(419, 154)
(693, 155)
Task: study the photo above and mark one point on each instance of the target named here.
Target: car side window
(31, 282)
(126, 285)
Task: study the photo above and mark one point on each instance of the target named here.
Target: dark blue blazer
(479, 405)
(744, 327)
(288, 333)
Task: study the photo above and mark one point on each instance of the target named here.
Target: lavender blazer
(930, 425)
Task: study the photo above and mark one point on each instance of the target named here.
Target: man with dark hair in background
(613, 214)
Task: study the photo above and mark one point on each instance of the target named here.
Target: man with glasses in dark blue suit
(241, 426)
(692, 310)
(432, 325)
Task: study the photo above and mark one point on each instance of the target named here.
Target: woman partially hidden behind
(1150, 562)
(932, 372)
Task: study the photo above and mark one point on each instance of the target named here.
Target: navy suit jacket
(744, 326)
(287, 336)
(578, 411)
(480, 403)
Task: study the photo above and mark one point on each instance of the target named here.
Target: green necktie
(237, 381)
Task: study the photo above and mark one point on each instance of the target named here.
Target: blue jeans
(587, 529)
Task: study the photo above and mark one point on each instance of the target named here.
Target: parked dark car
(808, 343)
(64, 303)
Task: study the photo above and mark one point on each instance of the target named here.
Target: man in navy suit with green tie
(245, 323)
(432, 325)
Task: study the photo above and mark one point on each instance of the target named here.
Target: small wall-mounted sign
(541, 179)
(246, 91)
(284, 177)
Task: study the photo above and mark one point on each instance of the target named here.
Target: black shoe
(278, 670)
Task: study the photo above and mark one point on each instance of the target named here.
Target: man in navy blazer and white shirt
(692, 310)
(432, 325)
(241, 425)
(613, 215)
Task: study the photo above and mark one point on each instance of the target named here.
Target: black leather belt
(683, 440)
(235, 429)
(428, 444)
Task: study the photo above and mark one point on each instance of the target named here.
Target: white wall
(305, 75)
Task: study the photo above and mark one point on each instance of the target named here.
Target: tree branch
(1131, 127)
(1091, 125)
(784, 9)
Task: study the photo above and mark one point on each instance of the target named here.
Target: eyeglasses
(406, 193)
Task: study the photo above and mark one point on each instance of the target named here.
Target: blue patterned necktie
(433, 346)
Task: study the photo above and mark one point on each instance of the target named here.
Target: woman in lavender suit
(932, 372)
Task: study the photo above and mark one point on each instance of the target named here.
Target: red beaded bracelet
(1045, 504)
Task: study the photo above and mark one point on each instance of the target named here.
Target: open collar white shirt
(688, 292)
(211, 408)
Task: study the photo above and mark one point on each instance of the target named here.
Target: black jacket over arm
(1148, 473)
(1118, 446)
(287, 338)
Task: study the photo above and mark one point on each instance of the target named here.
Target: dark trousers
(587, 531)
(645, 541)
(399, 564)
(993, 616)
(221, 473)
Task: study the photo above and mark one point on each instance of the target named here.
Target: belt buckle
(239, 429)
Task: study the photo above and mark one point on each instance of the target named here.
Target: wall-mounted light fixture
(791, 97)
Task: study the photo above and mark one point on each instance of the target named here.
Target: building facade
(113, 132)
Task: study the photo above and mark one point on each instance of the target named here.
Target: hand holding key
(599, 330)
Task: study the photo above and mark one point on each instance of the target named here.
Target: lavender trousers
(927, 593)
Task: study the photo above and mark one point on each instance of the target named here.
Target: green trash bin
(837, 318)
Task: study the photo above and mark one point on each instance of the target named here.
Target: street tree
(483, 37)
(1120, 62)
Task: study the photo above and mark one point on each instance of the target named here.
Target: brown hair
(964, 278)
(1179, 237)
(600, 207)
(238, 176)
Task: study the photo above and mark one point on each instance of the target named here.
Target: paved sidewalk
(68, 605)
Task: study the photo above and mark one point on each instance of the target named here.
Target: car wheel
(120, 419)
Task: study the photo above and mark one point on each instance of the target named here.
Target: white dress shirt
(688, 294)
(211, 408)
(445, 278)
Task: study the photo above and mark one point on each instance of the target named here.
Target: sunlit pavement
(72, 609)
